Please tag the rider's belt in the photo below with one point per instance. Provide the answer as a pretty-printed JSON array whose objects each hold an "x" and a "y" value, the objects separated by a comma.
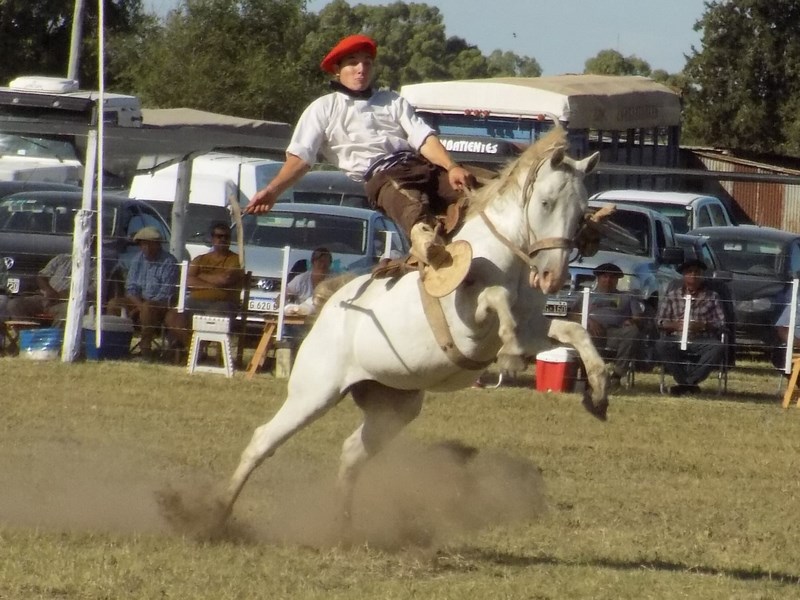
[{"x": 387, "y": 162}]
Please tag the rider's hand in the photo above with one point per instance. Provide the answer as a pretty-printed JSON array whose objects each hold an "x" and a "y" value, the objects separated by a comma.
[
  {"x": 261, "y": 202},
  {"x": 460, "y": 178}
]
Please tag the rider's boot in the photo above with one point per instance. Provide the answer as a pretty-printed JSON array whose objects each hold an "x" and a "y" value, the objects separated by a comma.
[{"x": 428, "y": 246}]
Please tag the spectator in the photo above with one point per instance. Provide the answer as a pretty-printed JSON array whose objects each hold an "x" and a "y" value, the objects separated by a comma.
[
  {"x": 150, "y": 287},
  {"x": 214, "y": 281},
  {"x": 613, "y": 320},
  {"x": 705, "y": 351},
  {"x": 53, "y": 297},
  {"x": 301, "y": 288}
]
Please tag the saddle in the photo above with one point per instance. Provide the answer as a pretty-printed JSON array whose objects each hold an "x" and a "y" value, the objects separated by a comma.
[{"x": 447, "y": 225}]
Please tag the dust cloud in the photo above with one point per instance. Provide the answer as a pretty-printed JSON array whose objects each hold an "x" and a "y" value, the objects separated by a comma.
[{"x": 410, "y": 496}]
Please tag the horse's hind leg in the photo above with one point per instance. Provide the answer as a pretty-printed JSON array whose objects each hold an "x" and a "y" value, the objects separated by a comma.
[
  {"x": 308, "y": 399},
  {"x": 386, "y": 412}
]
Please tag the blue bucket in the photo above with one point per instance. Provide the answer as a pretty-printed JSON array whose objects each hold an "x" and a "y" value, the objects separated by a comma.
[{"x": 41, "y": 344}]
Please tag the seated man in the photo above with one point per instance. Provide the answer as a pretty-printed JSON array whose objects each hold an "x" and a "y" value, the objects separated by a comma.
[
  {"x": 151, "y": 286},
  {"x": 613, "y": 320},
  {"x": 52, "y": 300},
  {"x": 300, "y": 290},
  {"x": 707, "y": 320},
  {"x": 214, "y": 282}
]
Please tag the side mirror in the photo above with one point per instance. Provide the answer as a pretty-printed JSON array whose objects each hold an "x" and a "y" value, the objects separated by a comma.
[{"x": 672, "y": 255}]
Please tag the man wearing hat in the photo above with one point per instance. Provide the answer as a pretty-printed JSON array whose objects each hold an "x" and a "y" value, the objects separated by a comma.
[
  {"x": 151, "y": 286},
  {"x": 613, "y": 320},
  {"x": 705, "y": 351},
  {"x": 376, "y": 137}
]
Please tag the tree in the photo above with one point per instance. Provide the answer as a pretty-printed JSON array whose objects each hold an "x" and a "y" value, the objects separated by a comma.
[
  {"x": 509, "y": 64},
  {"x": 744, "y": 83},
  {"x": 35, "y": 36},
  {"x": 248, "y": 63},
  {"x": 611, "y": 62}
]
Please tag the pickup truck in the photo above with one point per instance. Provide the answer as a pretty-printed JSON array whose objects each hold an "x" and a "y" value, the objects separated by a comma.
[{"x": 647, "y": 256}]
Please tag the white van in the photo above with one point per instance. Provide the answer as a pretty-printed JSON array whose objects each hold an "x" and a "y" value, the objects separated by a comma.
[
  {"x": 210, "y": 197},
  {"x": 217, "y": 180}
]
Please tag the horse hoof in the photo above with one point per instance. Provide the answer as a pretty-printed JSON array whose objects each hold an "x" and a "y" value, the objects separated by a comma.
[
  {"x": 599, "y": 410},
  {"x": 510, "y": 363}
]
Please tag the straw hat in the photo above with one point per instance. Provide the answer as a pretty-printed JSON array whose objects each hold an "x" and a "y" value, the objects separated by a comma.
[
  {"x": 445, "y": 279},
  {"x": 147, "y": 234}
]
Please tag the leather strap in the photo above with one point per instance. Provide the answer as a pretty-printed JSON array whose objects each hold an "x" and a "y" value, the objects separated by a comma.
[
  {"x": 441, "y": 332},
  {"x": 543, "y": 244}
]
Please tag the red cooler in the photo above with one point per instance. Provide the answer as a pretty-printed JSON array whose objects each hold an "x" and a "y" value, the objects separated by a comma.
[{"x": 556, "y": 370}]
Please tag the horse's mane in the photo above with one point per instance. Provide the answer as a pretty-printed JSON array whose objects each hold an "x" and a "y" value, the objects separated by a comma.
[{"x": 533, "y": 155}]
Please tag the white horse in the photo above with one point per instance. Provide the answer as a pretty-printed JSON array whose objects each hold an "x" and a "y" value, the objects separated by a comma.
[{"x": 373, "y": 339}]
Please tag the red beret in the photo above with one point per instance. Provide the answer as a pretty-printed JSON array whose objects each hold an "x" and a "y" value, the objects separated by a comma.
[{"x": 349, "y": 45}]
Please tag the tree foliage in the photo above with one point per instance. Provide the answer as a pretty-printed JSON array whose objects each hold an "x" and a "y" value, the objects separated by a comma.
[
  {"x": 611, "y": 62},
  {"x": 261, "y": 57},
  {"x": 35, "y": 36},
  {"x": 745, "y": 82}
]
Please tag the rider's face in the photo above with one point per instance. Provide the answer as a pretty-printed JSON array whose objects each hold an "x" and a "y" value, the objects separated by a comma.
[{"x": 355, "y": 71}]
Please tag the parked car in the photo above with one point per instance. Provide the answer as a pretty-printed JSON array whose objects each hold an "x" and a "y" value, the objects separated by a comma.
[
  {"x": 645, "y": 250},
  {"x": 685, "y": 210},
  {"x": 356, "y": 238},
  {"x": 327, "y": 187},
  {"x": 36, "y": 226},
  {"x": 13, "y": 187},
  {"x": 763, "y": 261},
  {"x": 697, "y": 246}
]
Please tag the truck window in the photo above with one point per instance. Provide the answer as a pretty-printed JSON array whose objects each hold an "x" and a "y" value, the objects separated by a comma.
[
  {"x": 717, "y": 214},
  {"x": 703, "y": 217},
  {"x": 661, "y": 239}
]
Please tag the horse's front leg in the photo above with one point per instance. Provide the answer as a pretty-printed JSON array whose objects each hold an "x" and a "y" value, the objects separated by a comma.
[
  {"x": 497, "y": 299},
  {"x": 568, "y": 332}
]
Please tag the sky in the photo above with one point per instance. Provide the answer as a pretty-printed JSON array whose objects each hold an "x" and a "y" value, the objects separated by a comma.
[{"x": 562, "y": 34}]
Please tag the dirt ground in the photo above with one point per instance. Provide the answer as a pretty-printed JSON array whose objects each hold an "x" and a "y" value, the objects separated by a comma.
[{"x": 409, "y": 496}]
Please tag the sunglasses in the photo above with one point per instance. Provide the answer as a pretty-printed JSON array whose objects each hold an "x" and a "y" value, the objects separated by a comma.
[{"x": 222, "y": 236}]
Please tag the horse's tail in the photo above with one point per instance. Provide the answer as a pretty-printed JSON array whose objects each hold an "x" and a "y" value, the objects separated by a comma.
[{"x": 327, "y": 287}]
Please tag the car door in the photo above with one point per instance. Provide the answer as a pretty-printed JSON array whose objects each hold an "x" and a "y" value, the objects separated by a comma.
[
  {"x": 398, "y": 244},
  {"x": 665, "y": 238}
]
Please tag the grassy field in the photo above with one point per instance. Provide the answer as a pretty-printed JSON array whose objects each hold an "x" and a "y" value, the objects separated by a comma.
[{"x": 671, "y": 498}]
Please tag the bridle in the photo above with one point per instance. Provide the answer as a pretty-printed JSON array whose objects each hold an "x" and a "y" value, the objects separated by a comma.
[{"x": 534, "y": 245}]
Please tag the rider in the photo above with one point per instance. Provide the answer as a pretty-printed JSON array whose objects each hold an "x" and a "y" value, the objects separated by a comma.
[{"x": 376, "y": 137}]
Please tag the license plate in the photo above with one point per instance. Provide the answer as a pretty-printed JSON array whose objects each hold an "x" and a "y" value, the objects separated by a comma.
[
  {"x": 262, "y": 305},
  {"x": 555, "y": 308},
  {"x": 12, "y": 285}
]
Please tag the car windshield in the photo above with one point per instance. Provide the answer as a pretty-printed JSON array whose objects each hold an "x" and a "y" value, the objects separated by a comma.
[
  {"x": 754, "y": 257},
  {"x": 36, "y": 147},
  {"x": 344, "y": 235},
  {"x": 634, "y": 237},
  {"x": 32, "y": 216},
  {"x": 676, "y": 213}
]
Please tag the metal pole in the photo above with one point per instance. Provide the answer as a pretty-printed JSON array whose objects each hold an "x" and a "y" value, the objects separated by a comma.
[{"x": 75, "y": 41}]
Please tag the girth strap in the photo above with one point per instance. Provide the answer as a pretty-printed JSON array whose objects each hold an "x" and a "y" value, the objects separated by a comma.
[{"x": 441, "y": 332}]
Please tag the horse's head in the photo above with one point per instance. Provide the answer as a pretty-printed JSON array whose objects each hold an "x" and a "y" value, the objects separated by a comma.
[{"x": 555, "y": 202}]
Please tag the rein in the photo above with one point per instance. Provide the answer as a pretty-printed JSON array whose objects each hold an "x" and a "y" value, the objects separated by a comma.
[
  {"x": 538, "y": 245},
  {"x": 533, "y": 249}
]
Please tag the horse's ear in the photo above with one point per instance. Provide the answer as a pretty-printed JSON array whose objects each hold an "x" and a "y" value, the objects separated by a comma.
[
  {"x": 589, "y": 164},
  {"x": 558, "y": 157}
]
